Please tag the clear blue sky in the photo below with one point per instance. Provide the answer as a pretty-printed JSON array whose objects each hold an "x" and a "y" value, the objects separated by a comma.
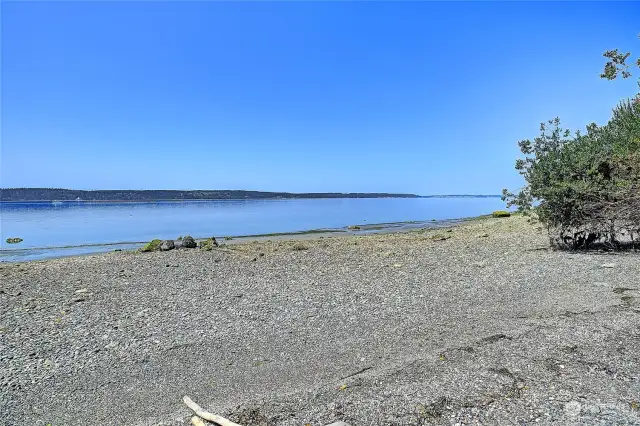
[{"x": 416, "y": 97}]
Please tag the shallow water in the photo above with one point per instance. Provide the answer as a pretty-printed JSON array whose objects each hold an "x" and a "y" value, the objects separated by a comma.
[{"x": 56, "y": 225}]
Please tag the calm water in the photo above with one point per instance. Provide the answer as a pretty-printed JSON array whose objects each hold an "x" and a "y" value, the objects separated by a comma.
[{"x": 78, "y": 223}]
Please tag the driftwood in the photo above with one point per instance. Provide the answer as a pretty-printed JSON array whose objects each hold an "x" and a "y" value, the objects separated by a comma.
[{"x": 206, "y": 415}]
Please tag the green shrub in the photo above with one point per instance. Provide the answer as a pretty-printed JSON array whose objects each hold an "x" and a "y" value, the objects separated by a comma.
[
  {"x": 501, "y": 213},
  {"x": 152, "y": 245},
  {"x": 354, "y": 227},
  {"x": 586, "y": 188}
]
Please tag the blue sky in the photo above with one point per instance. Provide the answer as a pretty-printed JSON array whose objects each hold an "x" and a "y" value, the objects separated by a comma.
[{"x": 418, "y": 97}]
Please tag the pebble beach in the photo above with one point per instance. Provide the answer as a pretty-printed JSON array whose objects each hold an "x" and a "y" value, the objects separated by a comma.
[{"x": 479, "y": 323}]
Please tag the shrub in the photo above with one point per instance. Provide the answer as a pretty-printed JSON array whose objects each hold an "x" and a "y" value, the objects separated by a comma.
[
  {"x": 586, "y": 188},
  {"x": 152, "y": 245},
  {"x": 501, "y": 213}
]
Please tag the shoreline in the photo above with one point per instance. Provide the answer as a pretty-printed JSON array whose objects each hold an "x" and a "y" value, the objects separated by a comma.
[{"x": 364, "y": 229}]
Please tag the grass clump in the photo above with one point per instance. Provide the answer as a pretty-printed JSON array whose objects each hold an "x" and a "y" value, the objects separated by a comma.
[
  {"x": 354, "y": 227},
  {"x": 501, "y": 213},
  {"x": 153, "y": 245}
]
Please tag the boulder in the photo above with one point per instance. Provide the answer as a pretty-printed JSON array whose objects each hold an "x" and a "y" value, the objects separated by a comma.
[
  {"x": 167, "y": 245},
  {"x": 152, "y": 245},
  {"x": 189, "y": 242}
]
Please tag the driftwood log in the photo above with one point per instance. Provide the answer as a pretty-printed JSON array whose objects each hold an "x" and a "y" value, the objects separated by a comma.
[{"x": 206, "y": 415}]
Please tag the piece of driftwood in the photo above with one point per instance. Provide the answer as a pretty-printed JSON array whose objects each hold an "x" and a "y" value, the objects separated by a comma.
[
  {"x": 206, "y": 415},
  {"x": 197, "y": 421}
]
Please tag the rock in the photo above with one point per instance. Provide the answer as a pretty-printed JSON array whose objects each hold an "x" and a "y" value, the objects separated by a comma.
[
  {"x": 189, "y": 242},
  {"x": 572, "y": 409},
  {"x": 152, "y": 245},
  {"x": 208, "y": 244},
  {"x": 608, "y": 265},
  {"x": 82, "y": 290},
  {"x": 167, "y": 245}
]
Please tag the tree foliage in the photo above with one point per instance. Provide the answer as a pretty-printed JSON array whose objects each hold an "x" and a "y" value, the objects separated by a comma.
[{"x": 586, "y": 187}]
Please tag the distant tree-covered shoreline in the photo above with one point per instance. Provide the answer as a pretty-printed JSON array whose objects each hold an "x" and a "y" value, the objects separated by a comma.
[{"x": 56, "y": 194}]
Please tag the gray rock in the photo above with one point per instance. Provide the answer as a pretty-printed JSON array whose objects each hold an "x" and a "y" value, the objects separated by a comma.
[
  {"x": 189, "y": 242},
  {"x": 572, "y": 408},
  {"x": 167, "y": 245}
]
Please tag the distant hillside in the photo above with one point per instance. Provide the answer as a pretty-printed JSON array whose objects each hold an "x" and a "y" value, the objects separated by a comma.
[{"x": 50, "y": 194}]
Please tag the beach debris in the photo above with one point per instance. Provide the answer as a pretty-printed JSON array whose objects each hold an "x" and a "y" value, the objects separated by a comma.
[
  {"x": 189, "y": 242},
  {"x": 82, "y": 290},
  {"x": 15, "y": 240},
  {"x": 483, "y": 236},
  {"x": 167, "y": 245},
  {"x": 608, "y": 265},
  {"x": 206, "y": 415}
]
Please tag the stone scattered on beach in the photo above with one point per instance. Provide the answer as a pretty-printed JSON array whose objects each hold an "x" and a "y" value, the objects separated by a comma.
[
  {"x": 167, "y": 245},
  {"x": 208, "y": 244},
  {"x": 608, "y": 265},
  {"x": 189, "y": 242},
  {"x": 572, "y": 408}
]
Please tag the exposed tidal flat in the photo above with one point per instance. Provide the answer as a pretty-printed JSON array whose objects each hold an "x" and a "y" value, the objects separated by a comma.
[{"x": 478, "y": 323}]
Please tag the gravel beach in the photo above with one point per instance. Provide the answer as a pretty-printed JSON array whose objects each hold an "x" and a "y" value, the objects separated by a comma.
[{"x": 476, "y": 324}]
